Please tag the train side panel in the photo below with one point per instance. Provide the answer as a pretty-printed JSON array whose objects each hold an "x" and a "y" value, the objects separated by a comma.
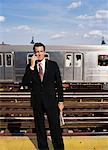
[
  {"x": 77, "y": 63},
  {"x": 95, "y": 68},
  {"x": 20, "y": 65}
]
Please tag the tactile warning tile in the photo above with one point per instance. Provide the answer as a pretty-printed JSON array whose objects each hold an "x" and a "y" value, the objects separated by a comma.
[
  {"x": 71, "y": 143},
  {"x": 16, "y": 143},
  {"x": 86, "y": 143}
]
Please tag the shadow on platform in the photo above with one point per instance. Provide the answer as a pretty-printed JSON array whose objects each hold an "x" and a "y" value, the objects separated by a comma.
[{"x": 33, "y": 139}]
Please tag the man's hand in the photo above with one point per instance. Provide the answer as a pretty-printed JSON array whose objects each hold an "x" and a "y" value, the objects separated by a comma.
[
  {"x": 33, "y": 59},
  {"x": 61, "y": 105}
]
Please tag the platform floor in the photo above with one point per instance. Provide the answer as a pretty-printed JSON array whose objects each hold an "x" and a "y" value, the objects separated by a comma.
[{"x": 71, "y": 143}]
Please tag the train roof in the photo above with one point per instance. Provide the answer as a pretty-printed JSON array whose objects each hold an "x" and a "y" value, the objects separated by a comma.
[{"x": 6, "y": 48}]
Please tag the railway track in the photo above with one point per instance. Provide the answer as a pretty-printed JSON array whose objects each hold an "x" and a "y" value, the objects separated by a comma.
[{"x": 84, "y": 113}]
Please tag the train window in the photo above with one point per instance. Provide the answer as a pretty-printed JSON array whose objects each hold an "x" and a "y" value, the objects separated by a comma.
[
  {"x": 8, "y": 60},
  {"x": 1, "y": 60},
  {"x": 29, "y": 55},
  {"x": 68, "y": 60},
  {"x": 46, "y": 56},
  {"x": 77, "y": 60},
  {"x": 102, "y": 60}
]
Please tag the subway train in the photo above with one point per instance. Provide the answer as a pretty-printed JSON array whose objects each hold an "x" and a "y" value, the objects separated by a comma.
[{"x": 79, "y": 64}]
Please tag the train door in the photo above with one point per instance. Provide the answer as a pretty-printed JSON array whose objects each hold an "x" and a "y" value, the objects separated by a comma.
[
  {"x": 6, "y": 66},
  {"x": 68, "y": 67},
  {"x": 8, "y": 63},
  {"x": 1, "y": 67},
  {"x": 73, "y": 67},
  {"x": 78, "y": 67}
]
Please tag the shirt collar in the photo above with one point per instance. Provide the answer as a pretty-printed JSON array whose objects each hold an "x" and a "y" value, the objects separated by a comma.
[{"x": 42, "y": 62}]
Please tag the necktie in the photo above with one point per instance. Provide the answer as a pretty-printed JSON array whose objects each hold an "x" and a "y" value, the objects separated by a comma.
[{"x": 40, "y": 71}]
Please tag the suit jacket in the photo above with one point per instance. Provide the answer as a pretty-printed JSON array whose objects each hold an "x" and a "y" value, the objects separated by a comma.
[{"x": 48, "y": 88}]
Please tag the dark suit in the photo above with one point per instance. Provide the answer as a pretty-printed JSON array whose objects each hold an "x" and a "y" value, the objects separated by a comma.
[{"x": 43, "y": 99}]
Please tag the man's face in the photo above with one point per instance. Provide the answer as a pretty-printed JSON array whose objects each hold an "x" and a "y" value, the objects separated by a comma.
[{"x": 40, "y": 53}]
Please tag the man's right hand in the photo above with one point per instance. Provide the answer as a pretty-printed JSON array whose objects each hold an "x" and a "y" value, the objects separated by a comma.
[{"x": 33, "y": 59}]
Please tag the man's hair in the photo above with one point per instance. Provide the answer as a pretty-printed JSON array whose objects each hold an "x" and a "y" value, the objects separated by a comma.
[{"x": 38, "y": 45}]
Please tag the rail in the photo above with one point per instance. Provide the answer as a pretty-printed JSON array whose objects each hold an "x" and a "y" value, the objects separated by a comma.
[{"x": 66, "y": 94}]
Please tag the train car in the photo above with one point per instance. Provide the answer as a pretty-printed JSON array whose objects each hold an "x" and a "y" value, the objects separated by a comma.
[{"x": 79, "y": 64}]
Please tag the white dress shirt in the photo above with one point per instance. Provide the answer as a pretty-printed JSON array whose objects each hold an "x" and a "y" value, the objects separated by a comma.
[{"x": 42, "y": 65}]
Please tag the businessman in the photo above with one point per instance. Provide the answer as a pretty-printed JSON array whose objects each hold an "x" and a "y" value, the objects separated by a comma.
[{"x": 45, "y": 79}]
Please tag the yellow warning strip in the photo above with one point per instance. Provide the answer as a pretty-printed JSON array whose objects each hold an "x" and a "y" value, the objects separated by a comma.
[{"x": 71, "y": 143}]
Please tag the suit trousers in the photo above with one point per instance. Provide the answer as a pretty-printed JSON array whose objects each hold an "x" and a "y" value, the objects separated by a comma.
[{"x": 54, "y": 126}]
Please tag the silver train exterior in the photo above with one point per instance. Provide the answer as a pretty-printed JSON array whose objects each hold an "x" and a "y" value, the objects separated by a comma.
[{"x": 78, "y": 63}]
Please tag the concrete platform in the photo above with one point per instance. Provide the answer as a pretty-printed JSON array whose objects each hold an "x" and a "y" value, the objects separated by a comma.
[{"x": 71, "y": 143}]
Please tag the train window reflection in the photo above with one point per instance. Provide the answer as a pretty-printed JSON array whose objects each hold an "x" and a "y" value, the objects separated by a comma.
[
  {"x": 103, "y": 60},
  {"x": 1, "y": 60},
  {"x": 8, "y": 60},
  {"x": 68, "y": 60}
]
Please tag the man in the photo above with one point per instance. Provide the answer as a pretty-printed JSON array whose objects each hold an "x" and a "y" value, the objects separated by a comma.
[{"x": 44, "y": 76}]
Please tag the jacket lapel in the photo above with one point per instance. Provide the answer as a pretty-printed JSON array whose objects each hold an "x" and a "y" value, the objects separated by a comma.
[
  {"x": 46, "y": 70},
  {"x": 36, "y": 73}
]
